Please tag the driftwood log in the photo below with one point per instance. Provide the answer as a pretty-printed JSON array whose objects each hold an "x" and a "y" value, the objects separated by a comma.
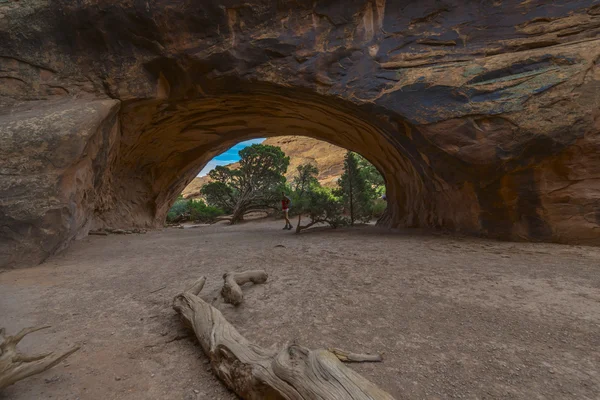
[
  {"x": 232, "y": 292},
  {"x": 256, "y": 373},
  {"x": 15, "y": 366},
  {"x": 346, "y": 356}
]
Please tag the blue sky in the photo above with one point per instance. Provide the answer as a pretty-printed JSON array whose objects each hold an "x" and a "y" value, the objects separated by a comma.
[{"x": 228, "y": 156}]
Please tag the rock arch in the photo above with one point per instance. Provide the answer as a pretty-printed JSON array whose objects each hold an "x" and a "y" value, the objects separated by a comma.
[
  {"x": 180, "y": 138},
  {"x": 484, "y": 118}
]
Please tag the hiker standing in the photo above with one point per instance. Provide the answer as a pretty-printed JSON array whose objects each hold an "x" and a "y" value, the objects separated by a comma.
[{"x": 286, "y": 202}]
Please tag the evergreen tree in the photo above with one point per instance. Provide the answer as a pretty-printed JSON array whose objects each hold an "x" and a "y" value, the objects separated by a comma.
[
  {"x": 372, "y": 176},
  {"x": 355, "y": 190},
  {"x": 256, "y": 184},
  {"x": 306, "y": 178},
  {"x": 317, "y": 203}
]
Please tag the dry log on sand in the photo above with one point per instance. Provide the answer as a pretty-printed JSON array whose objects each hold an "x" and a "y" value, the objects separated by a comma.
[
  {"x": 256, "y": 373},
  {"x": 346, "y": 356},
  {"x": 232, "y": 292},
  {"x": 15, "y": 366}
]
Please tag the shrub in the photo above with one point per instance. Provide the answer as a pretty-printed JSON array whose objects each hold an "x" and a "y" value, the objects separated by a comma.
[
  {"x": 312, "y": 200},
  {"x": 178, "y": 209},
  {"x": 192, "y": 210},
  {"x": 323, "y": 206},
  {"x": 201, "y": 212},
  {"x": 379, "y": 207}
]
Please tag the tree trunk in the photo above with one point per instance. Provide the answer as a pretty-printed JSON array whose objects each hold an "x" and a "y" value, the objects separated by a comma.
[
  {"x": 298, "y": 226},
  {"x": 232, "y": 292},
  {"x": 351, "y": 196},
  {"x": 15, "y": 366},
  {"x": 255, "y": 373},
  {"x": 238, "y": 215}
]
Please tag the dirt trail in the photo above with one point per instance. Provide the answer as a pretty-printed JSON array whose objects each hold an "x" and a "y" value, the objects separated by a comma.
[{"x": 456, "y": 317}]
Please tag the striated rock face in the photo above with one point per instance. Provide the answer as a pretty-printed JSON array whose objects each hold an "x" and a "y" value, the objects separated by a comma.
[
  {"x": 54, "y": 156},
  {"x": 484, "y": 117},
  {"x": 328, "y": 158}
]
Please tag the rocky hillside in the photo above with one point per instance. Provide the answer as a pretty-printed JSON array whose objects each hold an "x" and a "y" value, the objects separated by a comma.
[{"x": 301, "y": 150}]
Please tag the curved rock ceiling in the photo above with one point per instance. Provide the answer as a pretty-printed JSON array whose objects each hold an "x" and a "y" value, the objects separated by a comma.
[{"x": 484, "y": 117}]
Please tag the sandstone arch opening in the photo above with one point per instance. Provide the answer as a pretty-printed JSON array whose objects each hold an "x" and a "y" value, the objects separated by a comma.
[
  {"x": 301, "y": 150},
  {"x": 164, "y": 145}
]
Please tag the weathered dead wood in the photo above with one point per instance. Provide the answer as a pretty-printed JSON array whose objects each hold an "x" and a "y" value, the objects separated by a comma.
[
  {"x": 347, "y": 356},
  {"x": 256, "y": 373},
  {"x": 15, "y": 365},
  {"x": 232, "y": 292}
]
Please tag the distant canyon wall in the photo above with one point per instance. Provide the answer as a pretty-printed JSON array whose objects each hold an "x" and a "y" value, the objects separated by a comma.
[{"x": 329, "y": 159}]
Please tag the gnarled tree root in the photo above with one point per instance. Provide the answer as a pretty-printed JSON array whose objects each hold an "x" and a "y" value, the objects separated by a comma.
[
  {"x": 15, "y": 366},
  {"x": 232, "y": 292},
  {"x": 253, "y": 372}
]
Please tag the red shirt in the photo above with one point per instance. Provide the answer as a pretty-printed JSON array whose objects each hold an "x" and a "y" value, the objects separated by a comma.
[{"x": 284, "y": 203}]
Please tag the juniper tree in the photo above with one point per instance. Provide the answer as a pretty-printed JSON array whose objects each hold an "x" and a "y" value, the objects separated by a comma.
[
  {"x": 317, "y": 203},
  {"x": 256, "y": 184}
]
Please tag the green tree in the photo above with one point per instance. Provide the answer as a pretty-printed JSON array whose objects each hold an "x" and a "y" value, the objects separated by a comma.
[
  {"x": 356, "y": 193},
  {"x": 317, "y": 203},
  {"x": 256, "y": 184},
  {"x": 372, "y": 176},
  {"x": 192, "y": 210},
  {"x": 321, "y": 205},
  {"x": 306, "y": 178}
]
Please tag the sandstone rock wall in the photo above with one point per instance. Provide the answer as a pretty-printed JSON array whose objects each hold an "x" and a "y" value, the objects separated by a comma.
[
  {"x": 328, "y": 158},
  {"x": 483, "y": 116},
  {"x": 54, "y": 156}
]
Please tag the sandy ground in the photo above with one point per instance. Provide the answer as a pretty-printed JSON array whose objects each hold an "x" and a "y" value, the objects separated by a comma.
[{"x": 455, "y": 317}]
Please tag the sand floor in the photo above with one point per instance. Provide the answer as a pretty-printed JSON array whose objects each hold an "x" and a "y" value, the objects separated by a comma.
[{"x": 455, "y": 317}]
